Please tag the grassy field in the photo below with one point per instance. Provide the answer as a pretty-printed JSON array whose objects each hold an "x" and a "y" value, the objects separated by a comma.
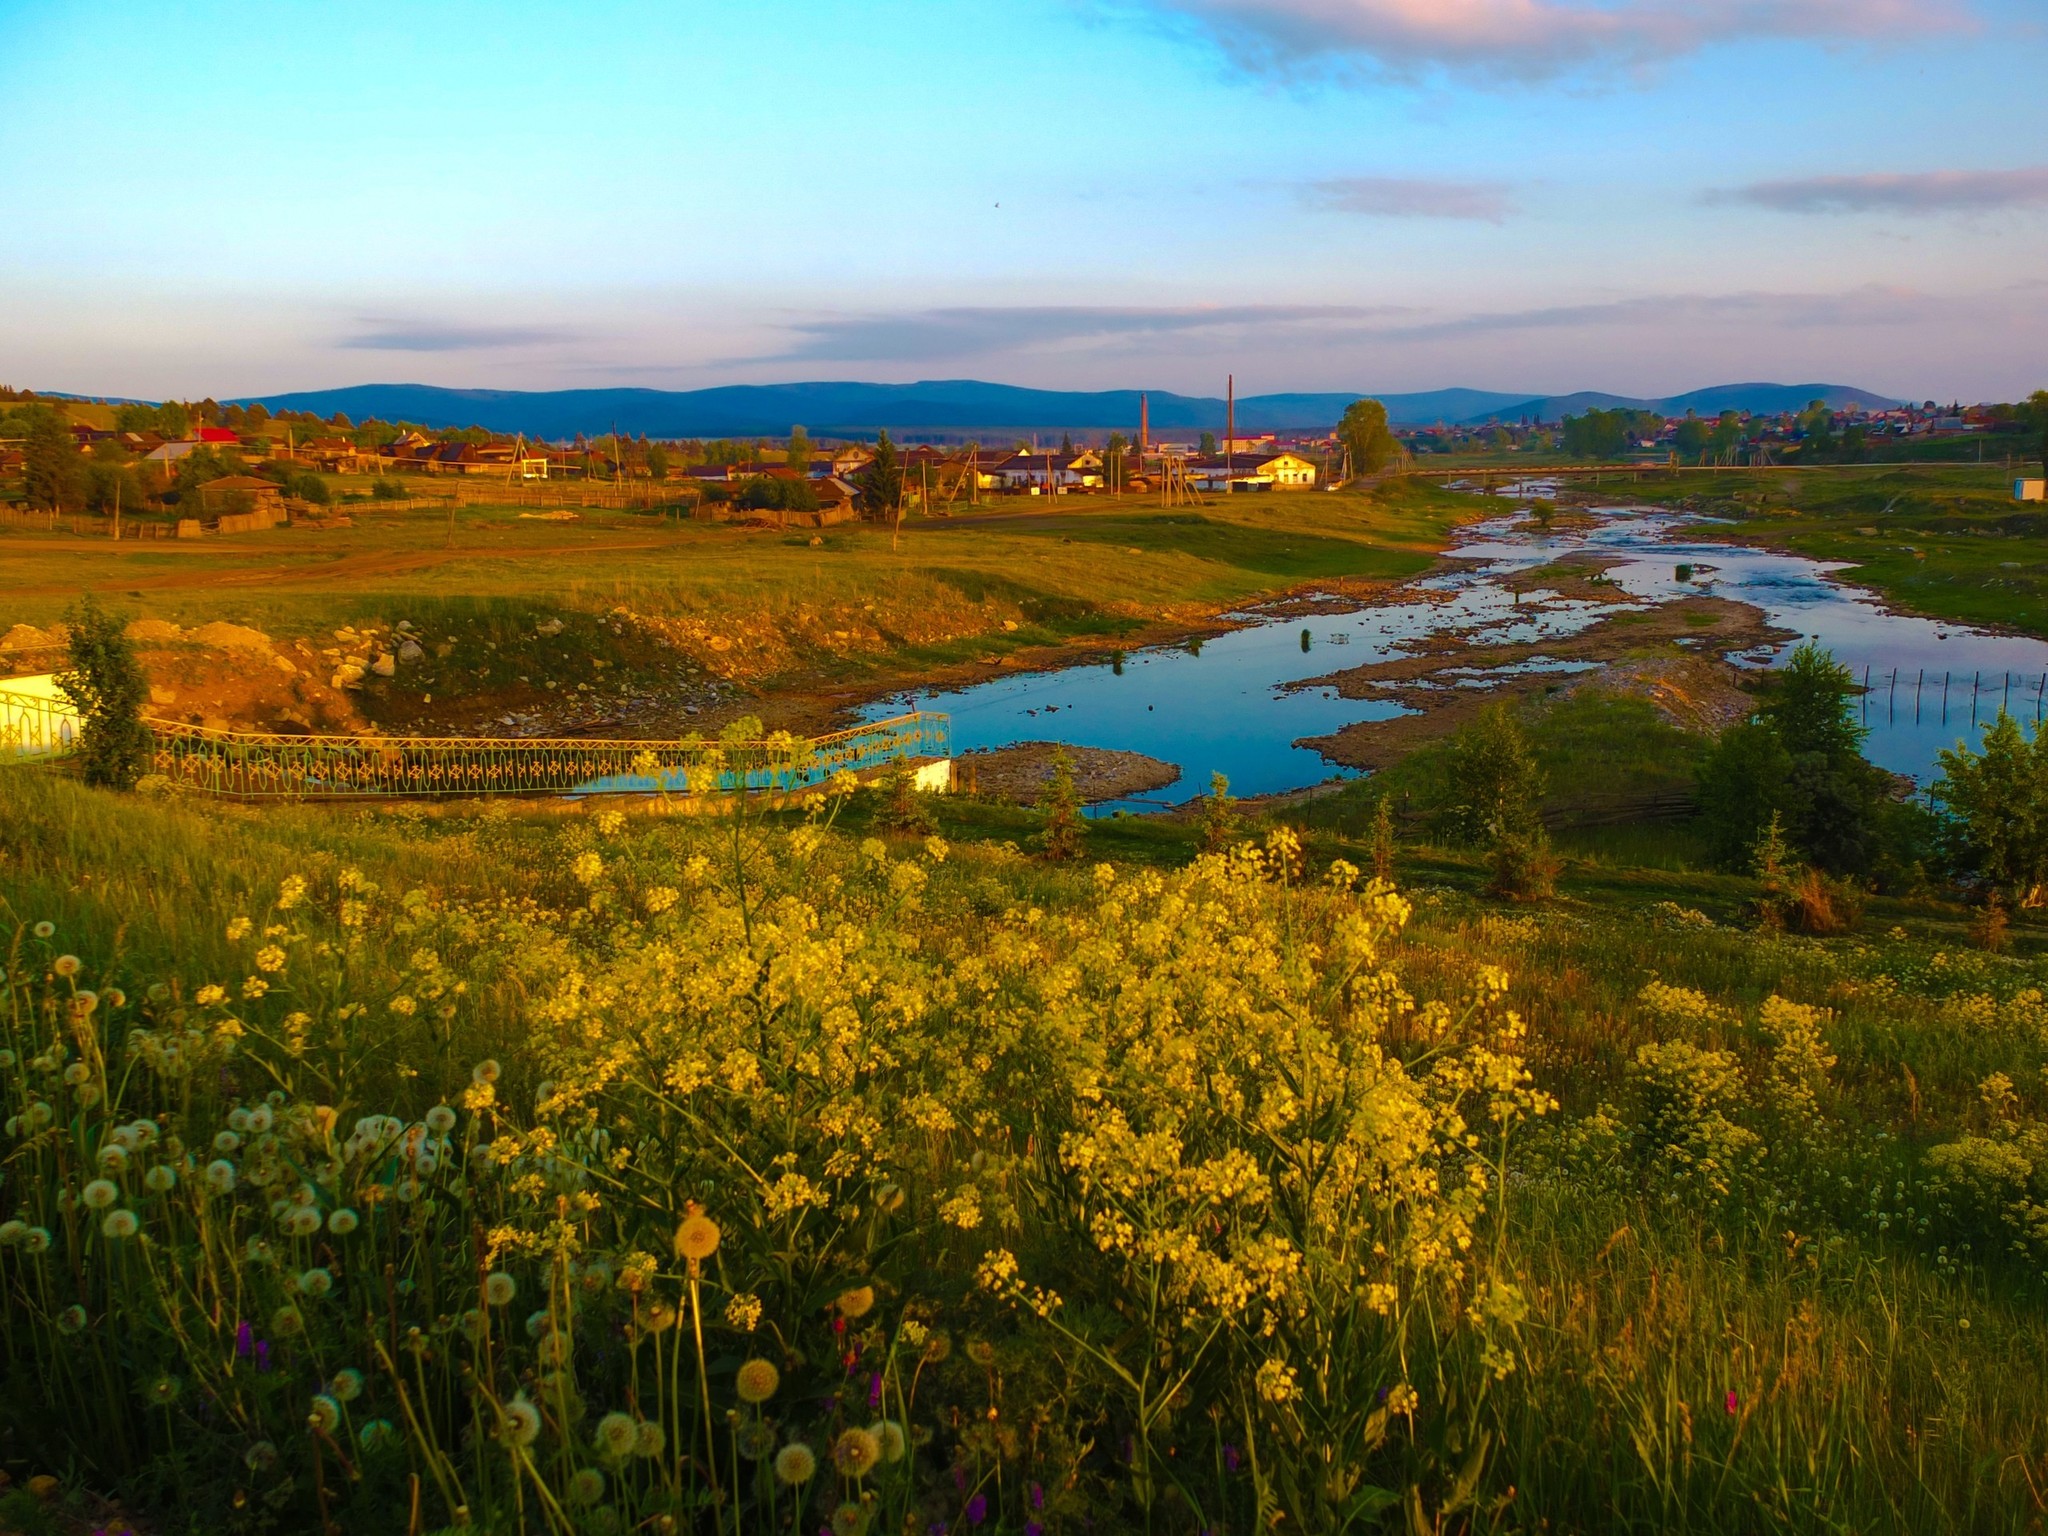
[
  {"x": 853, "y": 605},
  {"x": 1764, "y": 1266}
]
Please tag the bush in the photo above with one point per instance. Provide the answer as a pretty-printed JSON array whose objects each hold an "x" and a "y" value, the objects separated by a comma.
[
  {"x": 1065, "y": 828},
  {"x": 106, "y": 685},
  {"x": 387, "y": 489},
  {"x": 1492, "y": 783}
]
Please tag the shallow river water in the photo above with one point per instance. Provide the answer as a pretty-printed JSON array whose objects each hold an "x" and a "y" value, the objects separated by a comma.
[{"x": 1224, "y": 705}]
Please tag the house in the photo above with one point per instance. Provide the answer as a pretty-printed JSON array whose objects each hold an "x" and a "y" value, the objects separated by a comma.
[
  {"x": 218, "y": 438},
  {"x": 1257, "y": 472},
  {"x": 851, "y": 460},
  {"x": 2030, "y": 490},
  {"x": 338, "y": 455},
  {"x": 837, "y": 499},
  {"x": 85, "y": 436},
  {"x": 171, "y": 453},
  {"x": 1031, "y": 474}
]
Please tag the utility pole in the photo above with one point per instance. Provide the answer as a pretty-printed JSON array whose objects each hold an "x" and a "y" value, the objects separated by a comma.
[{"x": 1229, "y": 430}]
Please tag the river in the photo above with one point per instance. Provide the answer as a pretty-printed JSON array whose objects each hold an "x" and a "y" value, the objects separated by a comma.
[{"x": 1225, "y": 704}]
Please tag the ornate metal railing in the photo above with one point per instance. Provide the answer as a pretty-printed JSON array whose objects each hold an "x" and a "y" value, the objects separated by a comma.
[
  {"x": 33, "y": 726},
  {"x": 261, "y": 765}
]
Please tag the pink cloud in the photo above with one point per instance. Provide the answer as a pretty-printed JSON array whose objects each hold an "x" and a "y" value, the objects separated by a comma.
[{"x": 1540, "y": 38}]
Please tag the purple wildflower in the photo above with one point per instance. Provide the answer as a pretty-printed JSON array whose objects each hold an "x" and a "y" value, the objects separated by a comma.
[
  {"x": 1037, "y": 1496},
  {"x": 875, "y": 1390},
  {"x": 263, "y": 1354},
  {"x": 245, "y": 1340},
  {"x": 977, "y": 1510},
  {"x": 1731, "y": 1399},
  {"x": 1033, "y": 1528},
  {"x": 1233, "y": 1458}
]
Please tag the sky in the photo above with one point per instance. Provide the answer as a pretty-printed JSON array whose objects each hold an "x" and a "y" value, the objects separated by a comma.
[{"x": 1639, "y": 196}]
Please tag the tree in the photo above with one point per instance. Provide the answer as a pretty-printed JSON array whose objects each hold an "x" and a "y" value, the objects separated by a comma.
[
  {"x": 1812, "y": 703},
  {"x": 54, "y": 474},
  {"x": 1367, "y": 438},
  {"x": 1800, "y": 758},
  {"x": 1066, "y": 445},
  {"x": 1493, "y": 786},
  {"x": 881, "y": 483},
  {"x": 657, "y": 461},
  {"x": 1995, "y": 810},
  {"x": 798, "y": 454},
  {"x": 2037, "y": 415},
  {"x": 1691, "y": 438},
  {"x": 1745, "y": 785},
  {"x": 1208, "y": 445},
  {"x": 106, "y": 685}
]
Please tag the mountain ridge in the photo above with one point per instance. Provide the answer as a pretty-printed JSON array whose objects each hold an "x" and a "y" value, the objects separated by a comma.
[{"x": 960, "y": 406}]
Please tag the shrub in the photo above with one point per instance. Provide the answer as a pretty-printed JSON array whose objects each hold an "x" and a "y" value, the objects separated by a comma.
[
  {"x": 1065, "y": 828},
  {"x": 106, "y": 685},
  {"x": 387, "y": 489},
  {"x": 1221, "y": 824}
]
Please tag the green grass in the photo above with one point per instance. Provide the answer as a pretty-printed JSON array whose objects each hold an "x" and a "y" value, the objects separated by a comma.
[{"x": 1949, "y": 542}]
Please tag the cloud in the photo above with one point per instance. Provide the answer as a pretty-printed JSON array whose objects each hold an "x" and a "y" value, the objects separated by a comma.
[
  {"x": 929, "y": 334},
  {"x": 1402, "y": 197},
  {"x": 1857, "y": 308},
  {"x": 411, "y": 336},
  {"x": 1919, "y": 192},
  {"x": 1532, "y": 39}
]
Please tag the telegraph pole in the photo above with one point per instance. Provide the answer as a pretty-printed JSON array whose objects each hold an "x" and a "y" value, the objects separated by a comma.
[{"x": 1229, "y": 430}]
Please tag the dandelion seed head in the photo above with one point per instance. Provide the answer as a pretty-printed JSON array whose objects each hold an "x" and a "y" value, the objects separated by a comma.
[
  {"x": 121, "y": 1224},
  {"x": 500, "y": 1288},
  {"x": 615, "y": 1435},
  {"x": 795, "y": 1464},
  {"x": 855, "y": 1453},
  {"x": 757, "y": 1381},
  {"x": 100, "y": 1194}
]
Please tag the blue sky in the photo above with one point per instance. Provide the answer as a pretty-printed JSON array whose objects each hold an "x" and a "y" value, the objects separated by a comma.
[{"x": 1635, "y": 195}]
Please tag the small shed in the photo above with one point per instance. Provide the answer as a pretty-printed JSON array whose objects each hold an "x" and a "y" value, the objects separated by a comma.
[
  {"x": 2030, "y": 490},
  {"x": 241, "y": 493}
]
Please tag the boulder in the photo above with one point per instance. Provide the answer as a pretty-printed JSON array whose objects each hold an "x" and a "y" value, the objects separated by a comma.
[
  {"x": 410, "y": 651},
  {"x": 386, "y": 665},
  {"x": 153, "y": 631},
  {"x": 550, "y": 628}
]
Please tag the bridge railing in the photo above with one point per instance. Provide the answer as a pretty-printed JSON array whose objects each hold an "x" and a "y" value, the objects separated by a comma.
[{"x": 260, "y": 765}]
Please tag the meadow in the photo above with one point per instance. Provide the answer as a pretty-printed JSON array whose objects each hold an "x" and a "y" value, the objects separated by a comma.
[
  {"x": 852, "y": 606},
  {"x": 511, "y": 1171}
]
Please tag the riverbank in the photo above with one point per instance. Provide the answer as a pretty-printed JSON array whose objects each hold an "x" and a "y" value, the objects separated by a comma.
[{"x": 1947, "y": 543}]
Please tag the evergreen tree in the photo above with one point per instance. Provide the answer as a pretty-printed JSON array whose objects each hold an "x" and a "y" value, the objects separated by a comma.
[{"x": 881, "y": 483}]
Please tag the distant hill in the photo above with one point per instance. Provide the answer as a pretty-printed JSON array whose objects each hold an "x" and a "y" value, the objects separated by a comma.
[
  {"x": 1756, "y": 399},
  {"x": 964, "y": 406}
]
